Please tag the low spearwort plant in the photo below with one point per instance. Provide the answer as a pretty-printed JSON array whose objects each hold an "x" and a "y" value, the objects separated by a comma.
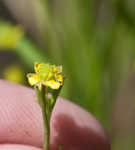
[{"x": 46, "y": 79}]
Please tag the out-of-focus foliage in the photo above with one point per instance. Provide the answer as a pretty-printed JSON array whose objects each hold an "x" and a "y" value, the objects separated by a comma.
[
  {"x": 14, "y": 73},
  {"x": 9, "y": 35},
  {"x": 12, "y": 37},
  {"x": 95, "y": 43}
]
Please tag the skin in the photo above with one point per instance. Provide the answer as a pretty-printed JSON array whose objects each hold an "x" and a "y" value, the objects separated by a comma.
[{"x": 21, "y": 123}]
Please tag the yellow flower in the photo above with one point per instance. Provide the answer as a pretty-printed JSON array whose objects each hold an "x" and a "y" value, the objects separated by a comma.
[{"x": 47, "y": 75}]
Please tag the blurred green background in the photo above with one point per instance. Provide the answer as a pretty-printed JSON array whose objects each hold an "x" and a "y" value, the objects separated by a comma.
[{"x": 94, "y": 40}]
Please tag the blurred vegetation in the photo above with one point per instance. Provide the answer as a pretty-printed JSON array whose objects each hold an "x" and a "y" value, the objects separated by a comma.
[{"x": 95, "y": 43}]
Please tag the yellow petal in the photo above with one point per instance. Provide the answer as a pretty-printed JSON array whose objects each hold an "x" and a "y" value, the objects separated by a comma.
[
  {"x": 50, "y": 75},
  {"x": 52, "y": 84},
  {"x": 37, "y": 66},
  {"x": 33, "y": 79},
  {"x": 59, "y": 78},
  {"x": 57, "y": 69}
]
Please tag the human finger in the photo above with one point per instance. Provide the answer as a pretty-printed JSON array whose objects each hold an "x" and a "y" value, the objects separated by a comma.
[
  {"x": 71, "y": 126},
  {"x": 17, "y": 147}
]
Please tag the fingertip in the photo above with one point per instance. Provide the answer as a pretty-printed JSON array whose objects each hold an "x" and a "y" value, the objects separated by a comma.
[
  {"x": 17, "y": 147},
  {"x": 77, "y": 129},
  {"x": 20, "y": 115}
]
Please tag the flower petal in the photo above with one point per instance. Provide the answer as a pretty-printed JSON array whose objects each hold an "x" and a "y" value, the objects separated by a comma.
[
  {"x": 33, "y": 79},
  {"x": 57, "y": 69},
  {"x": 37, "y": 66},
  {"x": 59, "y": 78},
  {"x": 52, "y": 84}
]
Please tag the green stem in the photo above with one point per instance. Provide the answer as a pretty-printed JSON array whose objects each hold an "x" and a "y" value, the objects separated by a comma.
[
  {"x": 43, "y": 102},
  {"x": 53, "y": 98},
  {"x": 46, "y": 105},
  {"x": 46, "y": 130}
]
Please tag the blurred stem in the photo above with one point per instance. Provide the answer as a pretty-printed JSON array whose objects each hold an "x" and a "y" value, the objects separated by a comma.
[
  {"x": 29, "y": 53},
  {"x": 48, "y": 25}
]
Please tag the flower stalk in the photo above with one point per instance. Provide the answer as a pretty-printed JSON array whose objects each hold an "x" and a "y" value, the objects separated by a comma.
[{"x": 42, "y": 100}]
